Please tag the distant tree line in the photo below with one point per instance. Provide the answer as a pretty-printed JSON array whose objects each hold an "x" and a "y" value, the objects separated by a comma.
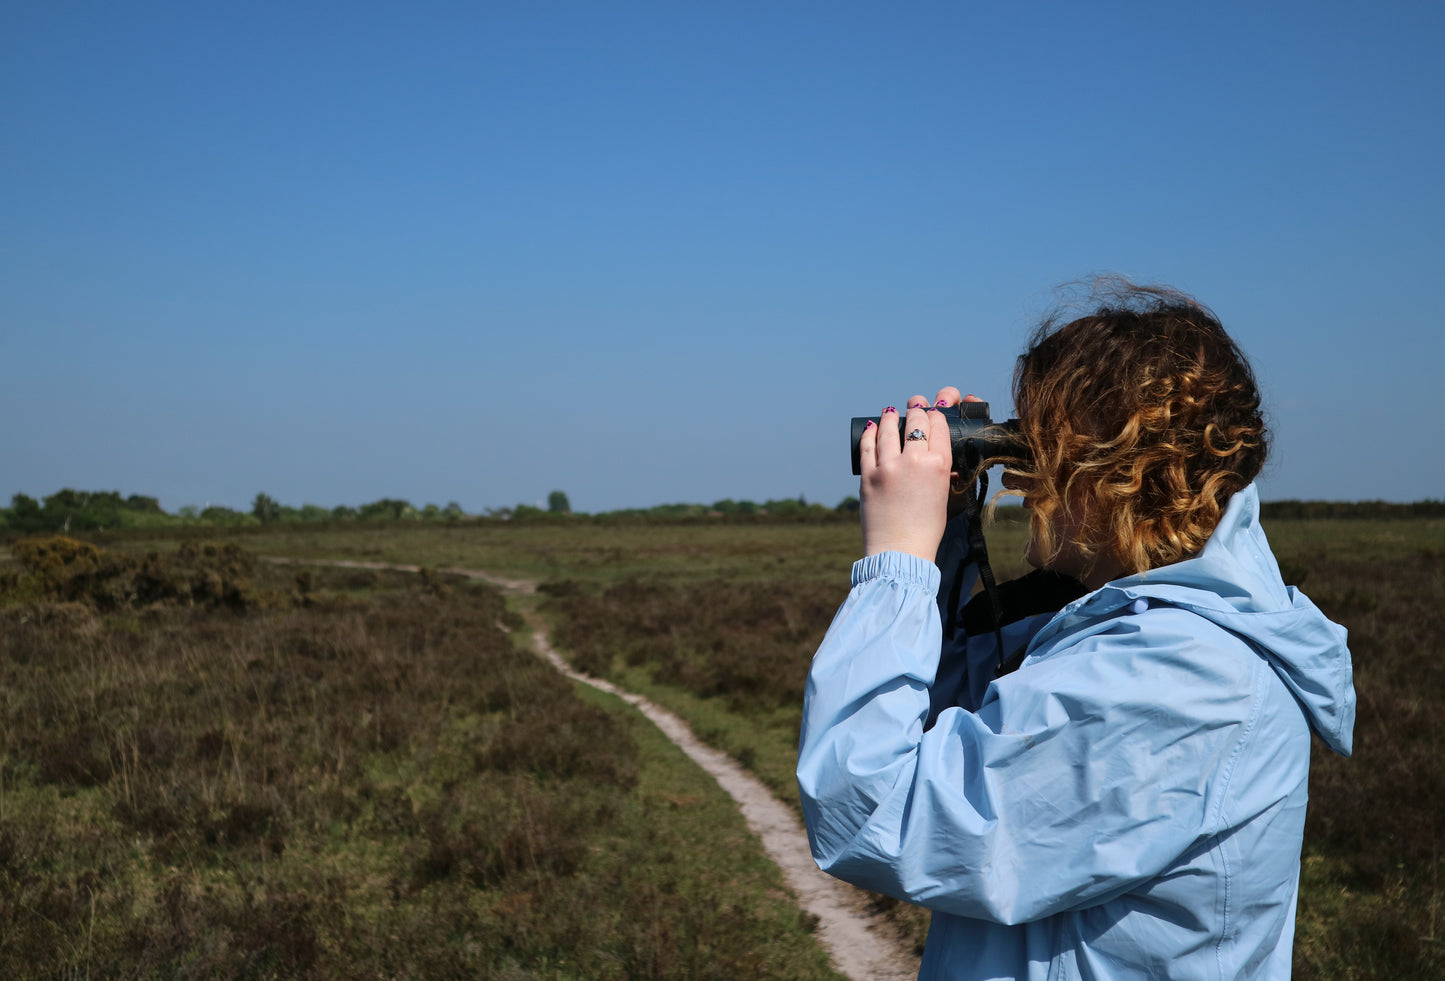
[
  {"x": 1350, "y": 509},
  {"x": 75, "y": 511},
  {"x": 70, "y": 510}
]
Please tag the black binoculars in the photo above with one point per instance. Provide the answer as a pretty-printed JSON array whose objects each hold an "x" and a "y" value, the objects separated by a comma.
[{"x": 978, "y": 441}]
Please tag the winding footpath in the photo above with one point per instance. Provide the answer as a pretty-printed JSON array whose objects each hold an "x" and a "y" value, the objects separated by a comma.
[{"x": 861, "y": 945}]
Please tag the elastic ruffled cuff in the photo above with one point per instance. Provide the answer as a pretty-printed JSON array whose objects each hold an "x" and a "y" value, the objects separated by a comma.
[{"x": 909, "y": 570}]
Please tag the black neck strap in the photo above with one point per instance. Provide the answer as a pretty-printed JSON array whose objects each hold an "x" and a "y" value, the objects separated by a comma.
[{"x": 973, "y": 497}]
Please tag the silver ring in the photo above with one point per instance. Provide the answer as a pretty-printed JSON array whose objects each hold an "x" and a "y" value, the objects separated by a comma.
[{"x": 915, "y": 435}]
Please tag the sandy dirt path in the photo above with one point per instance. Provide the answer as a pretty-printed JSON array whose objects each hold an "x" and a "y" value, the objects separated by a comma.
[{"x": 863, "y": 946}]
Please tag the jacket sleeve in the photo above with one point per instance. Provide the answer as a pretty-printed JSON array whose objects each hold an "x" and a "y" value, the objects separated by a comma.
[{"x": 1079, "y": 776}]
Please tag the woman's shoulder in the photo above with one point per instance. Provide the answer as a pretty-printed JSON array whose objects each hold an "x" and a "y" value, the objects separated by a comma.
[{"x": 1141, "y": 653}]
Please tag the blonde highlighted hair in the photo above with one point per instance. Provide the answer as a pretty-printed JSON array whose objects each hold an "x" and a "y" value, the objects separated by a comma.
[{"x": 1143, "y": 418}]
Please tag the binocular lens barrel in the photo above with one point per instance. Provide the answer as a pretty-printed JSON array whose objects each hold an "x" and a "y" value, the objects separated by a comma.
[{"x": 978, "y": 441}]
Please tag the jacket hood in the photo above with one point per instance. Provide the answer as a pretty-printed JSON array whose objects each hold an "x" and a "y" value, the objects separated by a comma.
[{"x": 1235, "y": 583}]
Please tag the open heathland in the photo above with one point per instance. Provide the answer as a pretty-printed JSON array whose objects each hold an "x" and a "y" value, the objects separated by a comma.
[
  {"x": 730, "y": 653},
  {"x": 716, "y": 619},
  {"x": 211, "y": 767}
]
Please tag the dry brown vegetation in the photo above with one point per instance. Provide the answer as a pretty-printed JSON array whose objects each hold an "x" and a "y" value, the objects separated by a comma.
[
  {"x": 1370, "y": 902},
  {"x": 210, "y": 768},
  {"x": 1371, "y": 899},
  {"x": 335, "y": 763},
  {"x": 744, "y": 647},
  {"x": 747, "y": 643}
]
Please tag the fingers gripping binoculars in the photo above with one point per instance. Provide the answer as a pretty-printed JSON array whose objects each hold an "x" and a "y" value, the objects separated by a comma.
[{"x": 978, "y": 441}]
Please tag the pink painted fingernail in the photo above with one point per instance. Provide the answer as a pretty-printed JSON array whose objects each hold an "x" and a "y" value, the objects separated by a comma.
[
  {"x": 889, "y": 409},
  {"x": 869, "y": 425},
  {"x": 942, "y": 402}
]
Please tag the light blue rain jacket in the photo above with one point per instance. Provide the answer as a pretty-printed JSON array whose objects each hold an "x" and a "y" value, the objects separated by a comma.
[{"x": 1129, "y": 803}]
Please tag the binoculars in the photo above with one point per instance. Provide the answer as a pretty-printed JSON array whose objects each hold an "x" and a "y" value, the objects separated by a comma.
[{"x": 978, "y": 441}]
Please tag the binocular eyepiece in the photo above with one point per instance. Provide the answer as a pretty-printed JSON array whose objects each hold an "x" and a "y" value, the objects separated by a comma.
[{"x": 978, "y": 441}]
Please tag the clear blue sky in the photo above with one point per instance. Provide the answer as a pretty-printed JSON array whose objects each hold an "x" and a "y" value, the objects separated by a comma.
[{"x": 658, "y": 252}]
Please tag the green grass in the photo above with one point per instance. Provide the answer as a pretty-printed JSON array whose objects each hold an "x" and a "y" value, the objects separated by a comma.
[
  {"x": 686, "y": 835},
  {"x": 364, "y": 777},
  {"x": 1353, "y": 932},
  {"x": 570, "y": 549},
  {"x": 1370, "y": 901},
  {"x": 717, "y": 621}
]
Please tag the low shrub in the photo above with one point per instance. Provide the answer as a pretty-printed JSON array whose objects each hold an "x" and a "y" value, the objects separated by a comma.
[
  {"x": 69, "y": 571},
  {"x": 747, "y": 643}
]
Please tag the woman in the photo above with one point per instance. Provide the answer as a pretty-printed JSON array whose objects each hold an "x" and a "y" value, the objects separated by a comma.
[{"x": 1119, "y": 792}]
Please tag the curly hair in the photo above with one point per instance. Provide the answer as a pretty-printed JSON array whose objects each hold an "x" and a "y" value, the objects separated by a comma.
[{"x": 1142, "y": 418}]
